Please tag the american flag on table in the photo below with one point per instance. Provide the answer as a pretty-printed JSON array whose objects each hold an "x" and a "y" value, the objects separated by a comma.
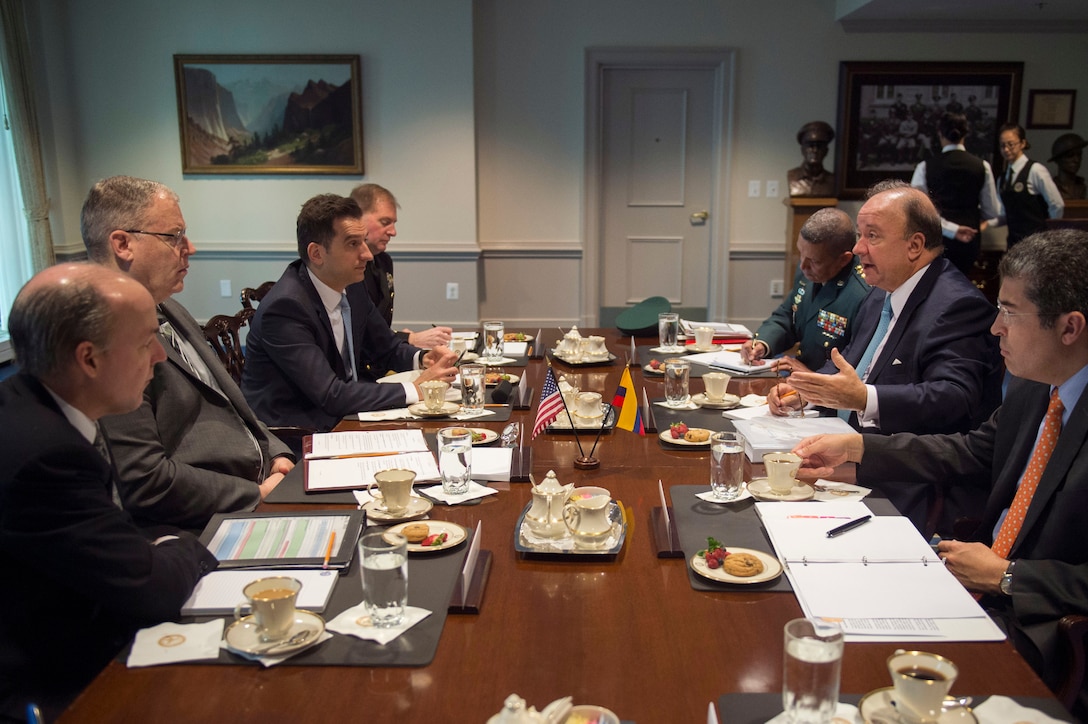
[{"x": 551, "y": 403}]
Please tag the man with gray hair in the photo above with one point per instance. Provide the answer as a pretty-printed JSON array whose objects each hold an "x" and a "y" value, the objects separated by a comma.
[
  {"x": 82, "y": 577},
  {"x": 818, "y": 313},
  {"x": 1029, "y": 555},
  {"x": 194, "y": 447}
]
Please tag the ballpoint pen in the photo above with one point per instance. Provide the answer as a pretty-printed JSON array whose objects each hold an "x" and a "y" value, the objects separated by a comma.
[{"x": 848, "y": 526}]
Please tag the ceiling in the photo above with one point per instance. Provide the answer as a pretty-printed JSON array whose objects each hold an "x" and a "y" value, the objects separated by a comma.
[{"x": 960, "y": 16}]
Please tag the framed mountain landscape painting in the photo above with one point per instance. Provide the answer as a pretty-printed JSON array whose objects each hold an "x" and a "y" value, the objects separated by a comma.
[{"x": 270, "y": 114}]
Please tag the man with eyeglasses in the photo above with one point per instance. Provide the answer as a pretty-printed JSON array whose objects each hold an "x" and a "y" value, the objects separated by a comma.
[
  {"x": 1029, "y": 555},
  {"x": 921, "y": 358},
  {"x": 194, "y": 447}
]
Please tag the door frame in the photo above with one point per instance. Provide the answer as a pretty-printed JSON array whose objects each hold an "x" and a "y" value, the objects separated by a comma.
[{"x": 600, "y": 60}]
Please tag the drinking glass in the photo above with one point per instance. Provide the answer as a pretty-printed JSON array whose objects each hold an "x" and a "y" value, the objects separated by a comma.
[
  {"x": 668, "y": 329},
  {"x": 472, "y": 387},
  {"x": 455, "y": 459},
  {"x": 384, "y": 561},
  {"x": 677, "y": 372},
  {"x": 813, "y": 661},
  {"x": 493, "y": 340},
  {"x": 726, "y": 465}
]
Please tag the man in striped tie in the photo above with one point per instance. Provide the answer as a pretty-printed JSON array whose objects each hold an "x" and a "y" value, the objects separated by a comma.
[{"x": 1029, "y": 558}]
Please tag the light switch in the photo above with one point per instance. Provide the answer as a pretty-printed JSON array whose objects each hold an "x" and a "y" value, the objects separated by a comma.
[{"x": 753, "y": 189}]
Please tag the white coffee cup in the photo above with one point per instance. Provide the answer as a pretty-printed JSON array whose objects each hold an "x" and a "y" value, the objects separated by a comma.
[
  {"x": 394, "y": 489},
  {"x": 272, "y": 601},
  {"x": 596, "y": 346},
  {"x": 458, "y": 345},
  {"x": 588, "y": 404},
  {"x": 921, "y": 681},
  {"x": 704, "y": 337},
  {"x": 782, "y": 470},
  {"x": 434, "y": 394},
  {"x": 716, "y": 383}
]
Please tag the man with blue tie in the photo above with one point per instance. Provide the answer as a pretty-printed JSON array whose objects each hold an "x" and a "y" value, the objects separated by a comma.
[
  {"x": 1029, "y": 556},
  {"x": 317, "y": 344},
  {"x": 922, "y": 358}
]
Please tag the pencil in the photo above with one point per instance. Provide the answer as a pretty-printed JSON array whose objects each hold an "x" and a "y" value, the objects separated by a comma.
[
  {"x": 791, "y": 392},
  {"x": 328, "y": 551}
]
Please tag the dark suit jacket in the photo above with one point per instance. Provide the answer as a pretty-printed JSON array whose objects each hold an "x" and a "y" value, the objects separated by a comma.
[
  {"x": 820, "y": 321},
  {"x": 379, "y": 285},
  {"x": 80, "y": 576},
  {"x": 939, "y": 372},
  {"x": 294, "y": 374},
  {"x": 185, "y": 454},
  {"x": 1051, "y": 575}
]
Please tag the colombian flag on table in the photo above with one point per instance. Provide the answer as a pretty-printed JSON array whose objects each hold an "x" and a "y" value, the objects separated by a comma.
[{"x": 626, "y": 401}]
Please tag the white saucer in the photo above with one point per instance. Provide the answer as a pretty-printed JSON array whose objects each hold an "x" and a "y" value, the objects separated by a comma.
[
  {"x": 448, "y": 408},
  {"x": 417, "y": 508},
  {"x": 877, "y": 707},
  {"x": 242, "y": 635},
  {"x": 697, "y": 348},
  {"x": 760, "y": 488},
  {"x": 725, "y": 403}
]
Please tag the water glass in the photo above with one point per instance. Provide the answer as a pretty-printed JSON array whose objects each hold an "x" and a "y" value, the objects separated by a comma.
[
  {"x": 493, "y": 340},
  {"x": 813, "y": 662},
  {"x": 455, "y": 459},
  {"x": 472, "y": 387},
  {"x": 726, "y": 465},
  {"x": 668, "y": 329},
  {"x": 677, "y": 372},
  {"x": 383, "y": 559}
]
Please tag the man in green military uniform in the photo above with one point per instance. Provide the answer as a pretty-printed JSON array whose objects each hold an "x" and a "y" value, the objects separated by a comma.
[{"x": 827, "y": 290}]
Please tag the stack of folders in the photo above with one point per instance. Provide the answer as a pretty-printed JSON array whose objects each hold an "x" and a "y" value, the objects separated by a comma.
[
  {"x": 881, "y": 581},
  {"x": 346, "y": 460},
  {"x": 768, "y": 434}
]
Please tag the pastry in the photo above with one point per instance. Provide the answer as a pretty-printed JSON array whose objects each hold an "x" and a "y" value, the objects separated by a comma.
[
  {"x": 697, "y": 435},
  {"x": 415, "y": 532},
  {"x": 742, "y": 565}
]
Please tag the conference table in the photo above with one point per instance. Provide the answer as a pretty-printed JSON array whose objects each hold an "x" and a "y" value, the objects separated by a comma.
[{"x": 629, "y": 633}]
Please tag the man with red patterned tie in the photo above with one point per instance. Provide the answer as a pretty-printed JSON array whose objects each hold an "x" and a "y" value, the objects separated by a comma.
[{"x": 1029, "y": 559}]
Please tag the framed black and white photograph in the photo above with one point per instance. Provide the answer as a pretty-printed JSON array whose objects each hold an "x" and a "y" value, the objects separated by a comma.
[
  {"x": 270, "y": 114},
  {"x": 888, "y": 113}
]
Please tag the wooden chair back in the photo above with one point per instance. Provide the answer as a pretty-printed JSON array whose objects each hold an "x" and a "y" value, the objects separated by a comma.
[
  {"x": 249, "y": 295},
  {"x": 223, "y": 332}
]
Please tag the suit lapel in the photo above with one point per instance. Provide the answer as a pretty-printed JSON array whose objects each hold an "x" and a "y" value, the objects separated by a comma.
[
  {"x": 332, "y": 354},
  {"x": 902, "y": 322}
]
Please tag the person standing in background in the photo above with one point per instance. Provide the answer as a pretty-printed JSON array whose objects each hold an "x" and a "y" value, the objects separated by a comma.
[{"x": 1028, "y": 193}]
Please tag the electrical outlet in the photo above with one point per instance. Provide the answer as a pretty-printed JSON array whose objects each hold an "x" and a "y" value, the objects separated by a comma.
[
  {"x": 777, "y": 289},
  {"x": 753, "y": 189},
  {"x": 224, "y": 288},
  {"x": 772, "y": 189},
  {"x": 453, "y": 291}
]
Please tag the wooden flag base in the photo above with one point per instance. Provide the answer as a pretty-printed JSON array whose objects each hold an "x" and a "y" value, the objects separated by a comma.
[{"x": 586, "y": 463}]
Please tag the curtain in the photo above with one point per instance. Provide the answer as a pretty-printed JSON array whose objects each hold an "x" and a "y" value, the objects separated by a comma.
[{"x": 23, "y": 116}]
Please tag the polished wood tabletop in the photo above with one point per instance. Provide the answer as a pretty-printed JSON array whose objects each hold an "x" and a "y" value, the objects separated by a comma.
[{"x": 630, "y": 634}]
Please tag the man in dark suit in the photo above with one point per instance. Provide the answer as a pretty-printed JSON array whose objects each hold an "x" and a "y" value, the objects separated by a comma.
[
  {"x": 317, "y": 345},
  {"x": 380, "y": 221},
  {"x": 194, "y": 447},
  {"x": 818, "y": 314},
  {"x": 922, "y": 359},
  {"x": 81, "y": 578},
  {"x": 1030, "y": 560}
]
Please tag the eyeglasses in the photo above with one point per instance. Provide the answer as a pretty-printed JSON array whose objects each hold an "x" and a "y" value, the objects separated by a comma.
[
  {"x": 171, "y": 240},
  {"x": 1011, "y": 144},
  {"x": 1006, "y": 314}
]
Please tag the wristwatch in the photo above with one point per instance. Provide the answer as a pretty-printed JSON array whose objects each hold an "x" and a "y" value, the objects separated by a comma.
[{"x": 1006, "y": 579}]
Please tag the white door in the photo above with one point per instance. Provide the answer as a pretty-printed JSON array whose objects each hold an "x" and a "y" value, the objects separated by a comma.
[{"x": 658, "y": 166}]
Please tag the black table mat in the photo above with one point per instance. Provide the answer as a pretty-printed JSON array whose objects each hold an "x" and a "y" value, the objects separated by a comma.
[
  {"x": 431, "y": 580},
  {"x": 759, "y": 708},
  {"x": 736, "y": 524}
]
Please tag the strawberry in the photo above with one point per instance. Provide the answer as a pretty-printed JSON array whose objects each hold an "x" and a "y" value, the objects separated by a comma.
[
  {"x": 712, "y": 562},
  {"x": 655, "y": 364},
  {"x": 678, "y": 429},
  {"x": 435, "y": 539}
]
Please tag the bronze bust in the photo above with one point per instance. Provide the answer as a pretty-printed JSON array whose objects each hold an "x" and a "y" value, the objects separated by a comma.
[
  {"x": 1066, "y": 152},
  {"x": 810, "y": 178}
]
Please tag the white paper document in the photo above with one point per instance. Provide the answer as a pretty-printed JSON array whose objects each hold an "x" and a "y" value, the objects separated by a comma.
[
  {"x": 727, "y": 361},
  {"x": 358, "y": 472},
  {"x": 491, "y": 463},
  {"x": 217, "y": 593},
  {"x": 376, "y": 442},
  {"x": 881, "y": 581},
  {"x": 774, "y": 434}
]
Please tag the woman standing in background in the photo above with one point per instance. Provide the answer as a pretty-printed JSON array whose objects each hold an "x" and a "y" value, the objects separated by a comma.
[{"x": 1028, "y": 193}]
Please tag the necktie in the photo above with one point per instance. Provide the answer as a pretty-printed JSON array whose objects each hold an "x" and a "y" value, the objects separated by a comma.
[
  {"x": 866, "y": 360},
  {"x": 171, "y": 335},
  {"x": 1008, "y": 178},
  {"x": 348, "y": 350},
  {"x": 103, "y": 449},
  {"x": 1014, "y": 519}
]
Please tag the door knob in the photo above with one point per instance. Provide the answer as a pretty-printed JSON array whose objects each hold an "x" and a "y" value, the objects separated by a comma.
[{"x": 699, "y": 217}]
